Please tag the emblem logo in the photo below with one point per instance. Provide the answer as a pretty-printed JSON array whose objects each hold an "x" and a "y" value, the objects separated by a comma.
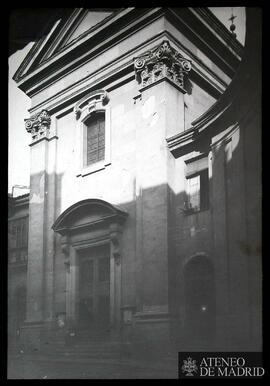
[{"x": 189, "y": 367}]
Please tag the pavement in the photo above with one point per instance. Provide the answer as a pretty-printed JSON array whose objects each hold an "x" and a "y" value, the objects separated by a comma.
[{"x": 61, "y": 366}]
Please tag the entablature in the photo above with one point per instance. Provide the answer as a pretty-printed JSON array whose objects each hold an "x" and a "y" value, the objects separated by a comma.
[
  {"x": 121, "y": 70},
  {"x": 123, "y": 23}
]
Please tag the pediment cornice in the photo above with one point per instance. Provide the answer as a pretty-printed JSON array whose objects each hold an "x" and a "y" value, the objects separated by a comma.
[{"x": 52, "y": 51}]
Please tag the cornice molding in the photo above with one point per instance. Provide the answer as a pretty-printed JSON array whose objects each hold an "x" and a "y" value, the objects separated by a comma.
[
  {"x": 130, "y": 18},
  {"x": 62, "y": 39},
  {"x": 219, "y": 28},
  {"x": 238, "y": 105},
  {"x": 205, "y": 38},
  {"x": 91, "y": 36},
  {"x": 35, "y": 54},
  {"x": 160, "y": 63},
  {"x": 120, "y": 70}
]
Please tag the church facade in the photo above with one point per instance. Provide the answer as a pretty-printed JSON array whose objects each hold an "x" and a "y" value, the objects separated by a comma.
[{"x": 144, "y": 205}]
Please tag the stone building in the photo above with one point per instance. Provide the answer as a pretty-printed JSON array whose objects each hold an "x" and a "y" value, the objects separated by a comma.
[
  {"x": 18, "y": 217},
  {"x": 144, "y": 205}
]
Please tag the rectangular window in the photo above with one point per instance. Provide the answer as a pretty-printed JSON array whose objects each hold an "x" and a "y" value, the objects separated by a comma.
[
  {"x": 197, "y": 192},
  {"x": 95, "y": 139},
  {"x": 204, "y": 190},
  {"x": 194, "y": 192},
  {"x": 18, "y": 233}
]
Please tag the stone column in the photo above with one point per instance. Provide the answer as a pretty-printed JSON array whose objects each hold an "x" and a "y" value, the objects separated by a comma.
[{"x": 161, "y": 74}]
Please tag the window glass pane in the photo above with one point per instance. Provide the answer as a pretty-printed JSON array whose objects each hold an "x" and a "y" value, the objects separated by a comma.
[
  {"x": 101, "y": 154},
  {"x": 95, "y": 139},
  {"x": 18, "y": 233},
  {"x": 194, "y": 192},
  {"x": 204, "y": 190}
]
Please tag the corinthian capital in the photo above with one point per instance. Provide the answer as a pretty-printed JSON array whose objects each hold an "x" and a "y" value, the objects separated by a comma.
[
  {"x": 38, "y": 125},
  {"x": 160, "y": 63}
]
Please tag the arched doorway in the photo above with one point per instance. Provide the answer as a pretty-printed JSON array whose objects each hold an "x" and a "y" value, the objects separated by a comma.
[{"x": 199, "y": 295}]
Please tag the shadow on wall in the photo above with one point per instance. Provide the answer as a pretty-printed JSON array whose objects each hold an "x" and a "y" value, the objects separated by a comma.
[{"x": 214, "y": 281}]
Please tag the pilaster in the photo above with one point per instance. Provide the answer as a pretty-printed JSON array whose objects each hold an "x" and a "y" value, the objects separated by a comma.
[
  {"x": 40, "y": 275},
  {"x": 161, "y": 74}
]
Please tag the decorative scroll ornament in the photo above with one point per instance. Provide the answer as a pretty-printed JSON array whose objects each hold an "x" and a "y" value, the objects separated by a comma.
[
  {"x": 95, "y": 100},
  {"x": 38, "y": 125},
  {"x": 115, "y": 236},
  {"x": 159, "y": 63}
]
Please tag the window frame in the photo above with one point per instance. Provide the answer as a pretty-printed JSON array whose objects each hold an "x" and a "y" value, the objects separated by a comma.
[
  {"x": 20, "y": 239},
  {"x": 203, "y": 203},
  {"x": 85, "y": 139},
  {"x": 93, "y": 103},
  {"x": 197, "y": 166}
]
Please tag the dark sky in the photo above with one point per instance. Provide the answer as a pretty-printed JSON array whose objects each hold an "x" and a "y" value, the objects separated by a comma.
[{"x": 29, "y": 24}]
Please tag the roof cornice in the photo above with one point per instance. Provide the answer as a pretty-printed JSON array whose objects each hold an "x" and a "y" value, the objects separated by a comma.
[
  {"x": 82, "y": 48},
  {"x": 92, "y": 36},
  {"x": 228, "y": 110}
]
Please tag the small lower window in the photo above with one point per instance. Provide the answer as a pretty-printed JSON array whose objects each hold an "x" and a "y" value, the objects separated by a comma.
[{"x": 197, "y": 192}]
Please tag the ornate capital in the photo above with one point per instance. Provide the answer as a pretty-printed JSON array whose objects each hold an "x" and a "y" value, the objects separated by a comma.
[
  {"x": 38, "y": 125},
  {"x": 163, "y": 62}
]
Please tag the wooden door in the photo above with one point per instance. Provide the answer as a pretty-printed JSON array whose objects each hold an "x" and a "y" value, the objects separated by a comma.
[{"x": 94, "y": 288}]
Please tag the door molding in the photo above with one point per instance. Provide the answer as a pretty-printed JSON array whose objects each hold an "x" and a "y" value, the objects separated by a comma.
[{"x": 87, "y": 224}]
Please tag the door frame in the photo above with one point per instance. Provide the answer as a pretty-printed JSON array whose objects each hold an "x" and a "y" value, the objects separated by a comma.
[
  {"x": 72, "y": 281},
  {"x": 78, "y": 258},
  {"x": 86, "y": 224}
]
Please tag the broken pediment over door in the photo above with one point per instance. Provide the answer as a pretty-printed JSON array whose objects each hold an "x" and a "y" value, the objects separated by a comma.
[{"x": 88, "y": 213}]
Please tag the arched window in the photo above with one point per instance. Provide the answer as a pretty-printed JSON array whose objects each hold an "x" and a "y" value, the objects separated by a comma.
[
  {"x": 199, "y": 290},
  {"x": 95, "y": 138}
]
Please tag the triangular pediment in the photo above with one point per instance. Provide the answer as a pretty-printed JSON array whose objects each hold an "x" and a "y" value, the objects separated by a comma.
[
  {"x": 67, "y": 30},
  {"x": 88, "y": 20}
]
